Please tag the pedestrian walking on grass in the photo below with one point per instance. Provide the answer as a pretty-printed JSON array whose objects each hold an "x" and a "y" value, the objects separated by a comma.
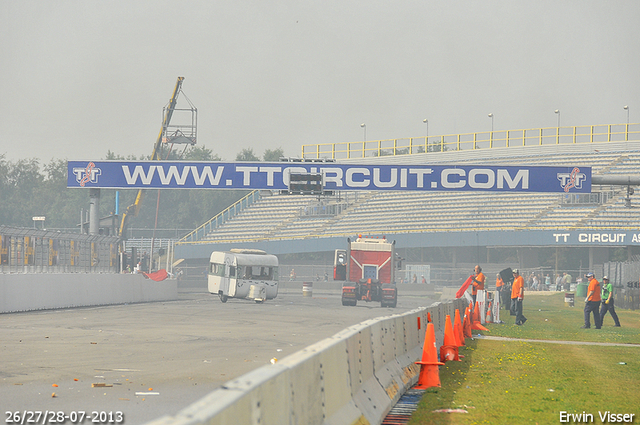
[
  {"x": 517, "y": 295},
  {"x": 592, "y": 302},
  {"x": 607, "y": 302}
]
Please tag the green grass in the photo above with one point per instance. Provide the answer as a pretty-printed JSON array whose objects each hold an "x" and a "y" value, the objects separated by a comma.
[
  {"x": 563, "y": 323},
  {"x": 516, "y": 382}
]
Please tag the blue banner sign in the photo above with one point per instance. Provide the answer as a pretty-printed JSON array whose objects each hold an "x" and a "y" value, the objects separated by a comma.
[{"x": 275, "y": 176}]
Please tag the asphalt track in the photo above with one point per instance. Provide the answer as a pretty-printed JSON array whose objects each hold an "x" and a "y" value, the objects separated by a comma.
[{"x": 170, "y": 353}]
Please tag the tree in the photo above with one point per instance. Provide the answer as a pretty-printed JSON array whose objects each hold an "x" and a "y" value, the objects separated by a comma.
[
  {"x": 247, "y": 155},
  {"x": 273, "y": 155},
  {"x": 20, "y": 192},
  {"x": 197, "y": 153}
]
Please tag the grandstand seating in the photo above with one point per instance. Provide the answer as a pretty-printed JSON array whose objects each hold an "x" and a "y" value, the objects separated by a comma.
[{"x": 279, "y": 216}]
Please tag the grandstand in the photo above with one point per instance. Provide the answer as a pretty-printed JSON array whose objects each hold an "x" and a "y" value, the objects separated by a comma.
[{"x": 293, "y": 223}]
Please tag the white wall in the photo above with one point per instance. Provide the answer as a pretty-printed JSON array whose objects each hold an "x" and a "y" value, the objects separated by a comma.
[
  {"x": 40, "y": 291},
  {"x": 354, "y": 377}
]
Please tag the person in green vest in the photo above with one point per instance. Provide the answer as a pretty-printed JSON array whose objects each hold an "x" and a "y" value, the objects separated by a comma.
[
  {"x": 566, "y": 281},
  {"x": 607, "y": 302}
]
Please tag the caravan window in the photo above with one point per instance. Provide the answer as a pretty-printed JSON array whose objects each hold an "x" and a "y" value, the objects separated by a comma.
[
  {"x": 217, "y": 269},
  {"x": 232, "y": 271},
  {"x": 256, "y": 272}
]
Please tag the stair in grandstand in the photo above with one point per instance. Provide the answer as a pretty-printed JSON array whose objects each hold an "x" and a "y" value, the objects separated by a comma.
[
  {"x": 362, "y": 198},
  {"x": 278, "y": 227},
  {"x": 318, "y": 215},
  {"x": 585, "y": 221}
]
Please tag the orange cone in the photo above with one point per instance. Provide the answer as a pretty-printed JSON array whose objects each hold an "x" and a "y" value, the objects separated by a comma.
[
  {"x": 476, "y": 313},
  {"x": 429, "y": 372},
  {"x": 478, "y": 327},
  {"x": 476, "y": 320},
  {"x": 428, "y": 317},
  {"x": 457, "y": 327},
  {"x": 489, "y": 318},
  {"x": 466, "y": 324},
  {"x": 449, "y": 349}
]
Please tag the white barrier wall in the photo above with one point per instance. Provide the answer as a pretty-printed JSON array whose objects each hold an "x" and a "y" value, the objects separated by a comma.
[
  {"x": 40, "y": 291},
  {"x": 354, "y": 377}
]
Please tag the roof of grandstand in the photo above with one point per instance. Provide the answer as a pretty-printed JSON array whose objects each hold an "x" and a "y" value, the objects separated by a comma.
[{"x": 282, "y": 223}]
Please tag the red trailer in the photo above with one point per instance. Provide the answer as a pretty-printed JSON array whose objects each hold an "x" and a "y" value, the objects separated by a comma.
[{"x": 370, "y": 271}]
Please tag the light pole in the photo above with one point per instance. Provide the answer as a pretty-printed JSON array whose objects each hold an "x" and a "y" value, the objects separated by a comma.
[
  {"x": 626, "y": 108},
  {"x": 426, "y": 139},
  {"x": 626, "y": 133},
  {"x": 364, "y": 127},
  {"x": 557, "y": 112},
  {"x": 490, "y": 135}
]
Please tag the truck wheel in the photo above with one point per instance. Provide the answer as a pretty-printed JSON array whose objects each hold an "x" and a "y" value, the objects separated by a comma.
[
  {"x": 223, "y": 298},
  {"x": 390, "y": 304}
]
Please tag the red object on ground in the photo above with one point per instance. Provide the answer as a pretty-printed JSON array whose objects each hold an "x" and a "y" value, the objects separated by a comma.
[{"x": 157, "y": 276}]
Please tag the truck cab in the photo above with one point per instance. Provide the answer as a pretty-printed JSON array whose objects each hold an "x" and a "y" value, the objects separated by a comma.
[{"x": 369, "y": 272}]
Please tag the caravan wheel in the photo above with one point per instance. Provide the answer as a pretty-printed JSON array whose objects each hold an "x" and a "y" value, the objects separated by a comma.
[{"x": 223, "y": 298}]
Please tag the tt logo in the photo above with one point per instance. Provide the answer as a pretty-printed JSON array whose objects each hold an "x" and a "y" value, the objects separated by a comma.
[
  {"x": 87, "y": 175},
  {"x": 570, "y": 180}
]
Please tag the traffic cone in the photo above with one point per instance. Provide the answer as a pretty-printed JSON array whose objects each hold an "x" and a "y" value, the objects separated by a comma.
[
  {"x": 429, "y": 317},
  {"x": 467, "y": 324},
  {"x": 476, "y": 313},
  {"x": 489, "y": 318},
  {"x": 457, "y": 327},
  {"x": 476, "y": 320},
  {"x": 429, "y": 372},
  {"x": 449, "y": 349}
]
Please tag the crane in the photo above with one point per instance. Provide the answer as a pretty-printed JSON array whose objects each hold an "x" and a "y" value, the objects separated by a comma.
[{"x": 133, "y": 209}]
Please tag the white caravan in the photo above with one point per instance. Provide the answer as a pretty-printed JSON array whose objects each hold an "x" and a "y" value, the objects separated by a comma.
[{"x": 243, "y": 273}]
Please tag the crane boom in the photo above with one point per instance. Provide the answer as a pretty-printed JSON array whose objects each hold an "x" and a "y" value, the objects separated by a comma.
[{"x": 133, "y": 209}]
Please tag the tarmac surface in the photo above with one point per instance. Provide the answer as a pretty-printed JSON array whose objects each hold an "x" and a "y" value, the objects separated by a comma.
[{"x": 154, "y": 359}]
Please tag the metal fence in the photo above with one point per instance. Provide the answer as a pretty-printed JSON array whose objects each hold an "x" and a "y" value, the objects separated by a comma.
[
  {"x": 27, "y": 250},
  {"x": 473, "y": 141},
  {"x": 625, "y": 279}
]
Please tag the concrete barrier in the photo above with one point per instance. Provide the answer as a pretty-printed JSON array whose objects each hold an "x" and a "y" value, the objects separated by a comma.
[
  {"x": 27, "y": 292},
  {"x": 353, "y": 377}
]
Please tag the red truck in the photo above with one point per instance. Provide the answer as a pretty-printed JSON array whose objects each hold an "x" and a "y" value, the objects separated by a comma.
[{"x": 368, "y": 268}]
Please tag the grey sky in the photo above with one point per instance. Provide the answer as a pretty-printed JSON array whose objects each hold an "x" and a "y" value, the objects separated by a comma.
[{"x": 79, "y": 77}]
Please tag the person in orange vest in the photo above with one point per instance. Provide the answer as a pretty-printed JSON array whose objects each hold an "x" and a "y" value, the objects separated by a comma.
[
  {"x": 499, "y": 286},
  {"x": 477, "y": 282},
  {"x": 517, "y": 295},
  {"x": 592, "y": 302}
]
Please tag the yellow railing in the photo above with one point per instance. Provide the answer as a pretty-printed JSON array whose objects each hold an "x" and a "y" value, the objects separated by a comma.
[{"x": 471, "y": 141}]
